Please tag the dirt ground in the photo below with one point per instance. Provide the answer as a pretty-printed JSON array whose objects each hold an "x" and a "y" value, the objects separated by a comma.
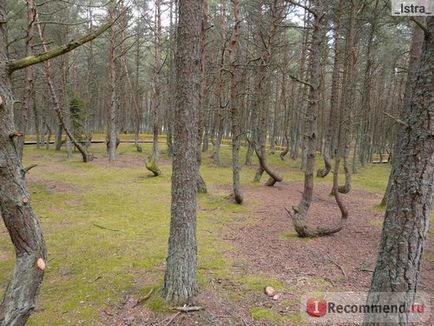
[{"x": 341, "y": 262}]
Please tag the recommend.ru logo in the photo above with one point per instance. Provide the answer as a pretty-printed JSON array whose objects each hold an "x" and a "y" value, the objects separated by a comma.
[{"x": 351, "y": 307}]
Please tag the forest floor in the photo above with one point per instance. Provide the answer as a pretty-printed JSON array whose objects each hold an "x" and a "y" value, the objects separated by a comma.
[{"x": 106, "y": 227}]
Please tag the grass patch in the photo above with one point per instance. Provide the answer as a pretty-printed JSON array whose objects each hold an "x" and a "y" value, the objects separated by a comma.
[
  {"x": 263, "y": 314},
  {"x": 90, "y": 267}
]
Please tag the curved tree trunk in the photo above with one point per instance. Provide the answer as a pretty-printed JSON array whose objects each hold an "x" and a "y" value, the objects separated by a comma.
[
  {"x": 299, "y": 219},
  {"x": 15, "y": 207},
  {"x": 334, "y": 98},
  {"x": 86, "y": 157}
]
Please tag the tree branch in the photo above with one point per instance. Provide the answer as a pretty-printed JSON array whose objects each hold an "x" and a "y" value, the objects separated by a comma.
[
  {"x": 396, "y": 119},
  {"x": 421, "y": 25},
  {"x": 313, "y": 12},
  {"x": 301, "y": 81},
  {"x": 50, "y": 54}
]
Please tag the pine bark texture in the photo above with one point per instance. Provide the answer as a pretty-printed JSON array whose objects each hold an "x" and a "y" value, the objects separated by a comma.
[
  {"x": 15, "y": 207},
  {"x": 180, "y": 282},
  {"x": 235, "y": 103},
  {"x": 410, "y": 199}
]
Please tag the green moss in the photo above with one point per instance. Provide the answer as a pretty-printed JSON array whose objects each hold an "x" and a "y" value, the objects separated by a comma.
[
  {"x": 293, "y": 236},
  {"x": 295, "y": 319},
  {"x": 257, "y": 283},
  {"x": 263, "y": 314},
  {"x": 90, "y": 267},
  {"x": 373, "y": 178}
]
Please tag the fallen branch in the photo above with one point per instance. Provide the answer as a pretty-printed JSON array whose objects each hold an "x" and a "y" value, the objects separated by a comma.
[
  {"x": 108, "y": 229},
  {"x": 141, "y": 301},
  {"x": 188, "y": 309},
  {"x": 27, "y": 169},
  {"x": 173, "y": 318},
  {"x": 339, "y": 266},
  {"x": 396, "y": 119}
]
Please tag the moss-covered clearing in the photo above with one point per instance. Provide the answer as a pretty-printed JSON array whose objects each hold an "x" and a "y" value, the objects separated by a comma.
[{"x": 107, "y": 227}]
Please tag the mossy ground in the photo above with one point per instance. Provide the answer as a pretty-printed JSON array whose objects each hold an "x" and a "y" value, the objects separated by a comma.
[{"x": 106, "y": 228}]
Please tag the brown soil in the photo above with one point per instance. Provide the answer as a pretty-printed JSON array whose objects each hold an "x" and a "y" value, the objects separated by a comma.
[{"x": 341, "y": 262}]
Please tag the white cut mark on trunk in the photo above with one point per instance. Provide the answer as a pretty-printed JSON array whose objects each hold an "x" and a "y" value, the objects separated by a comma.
[{"x": 41, "y": 264}]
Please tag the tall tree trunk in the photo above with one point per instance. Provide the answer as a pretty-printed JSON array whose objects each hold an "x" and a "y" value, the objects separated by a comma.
[
  {"x": 299, "y": 218},
  {"x": 410, "y": 199},
  {"x": 180, "y": 280},
  {"x": 334, "y": 98},
  {"x": 86, "y": 157},
  {"x": 29, "y": 84},
  {"x": 15, "y": 206},
  {"x": 235, "y": 103},
  {"x": 112, "y": 132},
  {"x": 348, "y": 92},
  {"x": 201, "y": 185},
  {"x": 415, "y": 57},
  {"x": 152, "y": 163}
]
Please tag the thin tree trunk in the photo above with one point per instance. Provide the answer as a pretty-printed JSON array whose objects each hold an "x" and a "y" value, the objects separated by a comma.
[
  {"x": 112, "y": 134},
  {"x": 152, "y": 163},
  {"x": 201, "y": 185},
  {"x": 57, "y": 108},
  {"x": 334, "y": 98},
  {"x": 235, "y": 105},
  {"x": 310, "y": 136}
]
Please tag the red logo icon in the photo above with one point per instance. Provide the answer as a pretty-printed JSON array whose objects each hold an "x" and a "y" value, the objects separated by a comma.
[{"x": 316, "y": 307}]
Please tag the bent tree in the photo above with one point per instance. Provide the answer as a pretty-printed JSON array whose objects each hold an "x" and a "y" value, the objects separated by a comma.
[
  {"x": 299, "y": 218},
  {"x": 180, "y": 280},
  {"x": 15, "y": 206},
  {"x": 410, "y": 199}
]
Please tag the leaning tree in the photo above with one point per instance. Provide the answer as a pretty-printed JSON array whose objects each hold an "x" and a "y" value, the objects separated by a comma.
[{"x": 15, "y": 205}]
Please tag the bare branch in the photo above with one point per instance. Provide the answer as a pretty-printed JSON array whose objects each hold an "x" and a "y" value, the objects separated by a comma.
[
  {"x": 396, "y": 119},
  {"x": 50, "y": 54}
]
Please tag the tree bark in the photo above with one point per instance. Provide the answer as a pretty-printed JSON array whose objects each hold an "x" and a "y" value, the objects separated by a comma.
[
  {"x": 180, "y": 280},
  {"x": 410, "y": 200},
  {"x": 334, "y": 98},
  {"x": 152, "y": 163},
  {"x": 415, "y": 57},
  {"x": 235, "y": 105},
  {"x": 112, "y": 132},
  {"x": 299, "y": 218},
  {"x": 15, "y": 207},
  {"x": 57, "y": 108}
]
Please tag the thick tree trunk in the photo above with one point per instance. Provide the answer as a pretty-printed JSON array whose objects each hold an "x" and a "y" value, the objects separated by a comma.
[
  {"x": 180, "y": 281},
  {"x": 15, "y": 207},
  {"x": 415, "y": 56},
  {"x": 410, "y": 200}
]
